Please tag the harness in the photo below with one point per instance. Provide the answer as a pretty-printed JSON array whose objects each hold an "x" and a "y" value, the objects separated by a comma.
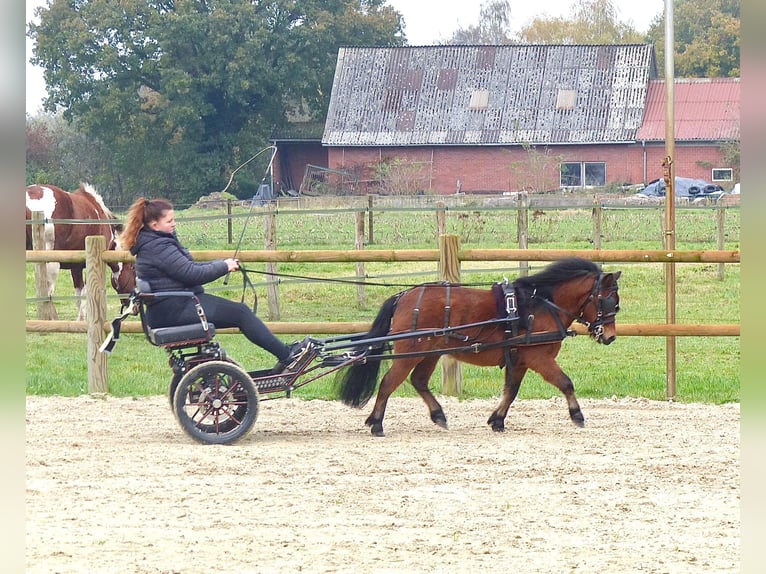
[{"x": 507, "y": 301}]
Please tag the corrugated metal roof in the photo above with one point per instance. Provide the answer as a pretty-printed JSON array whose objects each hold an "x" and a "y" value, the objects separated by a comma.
[
  {"x": 298, "y": 131},
  {"x": 488, "y": 95},
  {"x": 705, "y": 109}
]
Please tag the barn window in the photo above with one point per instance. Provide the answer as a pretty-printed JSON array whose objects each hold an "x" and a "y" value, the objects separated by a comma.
[
  {"x": 722, "y": 174},
  {"x": 583, "y": 174}
]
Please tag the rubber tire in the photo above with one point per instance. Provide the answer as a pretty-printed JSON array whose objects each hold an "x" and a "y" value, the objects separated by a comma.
[
  {"x": 234, "y": 416},
  {"x": 172, "y": 389},
  {"x": 176, "y": 378}
]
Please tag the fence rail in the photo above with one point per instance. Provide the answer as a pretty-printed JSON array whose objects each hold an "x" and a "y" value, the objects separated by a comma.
[{"x": 448, "y": 256}]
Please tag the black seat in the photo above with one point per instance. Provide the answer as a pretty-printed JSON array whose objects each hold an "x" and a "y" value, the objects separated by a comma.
[
  {"x": 191, "y": 335},
  {"x": 185, "y": 334},
  {"x": 177, "y": 335}
]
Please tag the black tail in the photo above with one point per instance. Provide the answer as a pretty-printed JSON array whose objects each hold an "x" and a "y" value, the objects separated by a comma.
[{"x": 358, "y": 382}]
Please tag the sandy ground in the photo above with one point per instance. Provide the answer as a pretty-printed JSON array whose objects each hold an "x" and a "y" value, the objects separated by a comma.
[{"x": 115, "y": 486}]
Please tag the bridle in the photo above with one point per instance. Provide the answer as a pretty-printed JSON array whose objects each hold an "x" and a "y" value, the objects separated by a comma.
[{"x": 606, "y": 305}]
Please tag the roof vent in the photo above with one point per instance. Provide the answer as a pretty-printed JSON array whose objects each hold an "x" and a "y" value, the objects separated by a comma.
[
  {"x": 479, "y": 100},
  {"x": 566, "y": 99}
]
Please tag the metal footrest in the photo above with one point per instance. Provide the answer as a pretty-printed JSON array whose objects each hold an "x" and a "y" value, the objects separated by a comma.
[{"x": 274, "y": 383}]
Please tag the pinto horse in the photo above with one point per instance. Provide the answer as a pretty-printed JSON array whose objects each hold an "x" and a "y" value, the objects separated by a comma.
[
  {"x": 84, "y": 204},
  {"x": 519, "y": 326}
]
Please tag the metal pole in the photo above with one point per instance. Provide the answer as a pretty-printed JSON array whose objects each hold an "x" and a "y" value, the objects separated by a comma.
[{"x": 670, "y": 199}]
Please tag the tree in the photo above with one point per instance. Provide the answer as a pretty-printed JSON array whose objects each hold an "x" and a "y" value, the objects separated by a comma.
[
  {"x": 592, "y": 22},
  {"x": 59, "y": 154},
  {"x": 707, "y": 38},
  {"x": 184, "y": 92},
  {"x": 494, "y": 26}
]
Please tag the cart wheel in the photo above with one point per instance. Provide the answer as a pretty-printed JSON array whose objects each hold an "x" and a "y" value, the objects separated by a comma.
[
  {"x": 216, "y": 402},
  {"x": 177, "y": 379},
  {"x": 172, "y": 390}
]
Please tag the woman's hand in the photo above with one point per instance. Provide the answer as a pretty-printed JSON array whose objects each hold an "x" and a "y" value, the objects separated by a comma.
[{"x": 232, "y": 264}]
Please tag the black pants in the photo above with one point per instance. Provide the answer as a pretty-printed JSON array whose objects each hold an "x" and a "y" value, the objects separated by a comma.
[{"x": 223, "y": 313}]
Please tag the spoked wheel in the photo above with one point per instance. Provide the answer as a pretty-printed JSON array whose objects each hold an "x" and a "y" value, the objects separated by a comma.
[
  {"x": 177, "y": 379},
  {"x": 216, "y": 402}
]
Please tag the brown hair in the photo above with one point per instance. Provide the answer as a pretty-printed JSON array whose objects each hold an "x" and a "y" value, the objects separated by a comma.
[{"x": 142, "y": 212}]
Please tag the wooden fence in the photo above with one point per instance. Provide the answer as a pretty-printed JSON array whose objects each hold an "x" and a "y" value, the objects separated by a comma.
[{"x": 449, "y": 257}]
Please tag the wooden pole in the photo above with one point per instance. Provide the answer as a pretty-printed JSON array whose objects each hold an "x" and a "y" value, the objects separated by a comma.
[
  {"x": 361, "y": 299},
  {"x": 228, "y": 221},
  {"x": 670, "y": 197},
  {"x": 721, "y": 224},
  {"x": 370, "y": 223},
  {"x": 597, "y": 223},
  {"x": 95, "y": 314},
  {"x": 272, "y": 283},
  {"x": 523, "y": 230},
  {"x": 449, "y": 265},
  {"x": 441, "y": 230},
  {"x": 46, "y": 310}
]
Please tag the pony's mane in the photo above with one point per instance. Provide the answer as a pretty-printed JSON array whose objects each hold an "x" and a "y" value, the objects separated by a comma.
[
  {"x": 88, "y": 189},
  {"x": 559, "y": 272},
  {"x": 554, "y": 274}
]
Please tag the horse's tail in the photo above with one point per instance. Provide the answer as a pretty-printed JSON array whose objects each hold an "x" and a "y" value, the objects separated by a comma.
[{"x": 358, "y": 381}]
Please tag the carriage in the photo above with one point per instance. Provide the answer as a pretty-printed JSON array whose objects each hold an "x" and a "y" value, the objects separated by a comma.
[{"x": 515, "y": 326}]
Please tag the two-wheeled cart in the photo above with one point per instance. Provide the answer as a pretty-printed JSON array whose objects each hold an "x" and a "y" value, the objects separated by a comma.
[{"x": 215, "y": 399}]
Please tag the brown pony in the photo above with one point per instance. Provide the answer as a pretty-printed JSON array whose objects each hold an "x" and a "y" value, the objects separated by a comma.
[
  {"x": 519, "y": 327},
  {"x": 83, "y": 204}
]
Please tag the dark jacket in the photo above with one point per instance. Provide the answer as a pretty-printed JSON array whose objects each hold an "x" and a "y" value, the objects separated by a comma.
[{"x": 166, "y": 265}]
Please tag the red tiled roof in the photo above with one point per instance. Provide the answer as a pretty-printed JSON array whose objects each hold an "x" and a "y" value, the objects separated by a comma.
[{"x": 705, "y": 109}]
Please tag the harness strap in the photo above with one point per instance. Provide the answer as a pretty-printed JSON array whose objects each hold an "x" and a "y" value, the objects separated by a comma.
[
  {"x": 512, "y": 322},
  {"x": 447, "y": 309},
  {"x": 416, "y": 310}
]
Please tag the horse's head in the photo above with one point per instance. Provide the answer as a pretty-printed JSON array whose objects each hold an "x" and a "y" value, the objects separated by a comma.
[
  {"x": 600, "y": 309},
  {"x": 124, "y": 281},
  {"x": 123, "y": 273}
]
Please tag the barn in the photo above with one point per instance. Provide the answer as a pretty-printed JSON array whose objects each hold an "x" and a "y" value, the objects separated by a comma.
[{"x": 496, "y": 119}]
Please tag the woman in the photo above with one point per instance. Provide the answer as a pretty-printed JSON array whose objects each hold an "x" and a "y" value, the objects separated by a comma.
[{"x": 163, "y": 264}]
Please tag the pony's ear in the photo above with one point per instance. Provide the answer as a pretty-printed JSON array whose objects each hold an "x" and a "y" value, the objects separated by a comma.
[{"x": 616, "y": 276}]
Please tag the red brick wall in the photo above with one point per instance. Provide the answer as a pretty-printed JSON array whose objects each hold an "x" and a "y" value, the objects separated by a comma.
[
  {"x": 495, "y": 169},
  {"x": 291, "y": 160}
]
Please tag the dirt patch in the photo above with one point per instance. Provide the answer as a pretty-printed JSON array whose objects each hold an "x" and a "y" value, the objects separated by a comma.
[{"x": 115, "y": 486}]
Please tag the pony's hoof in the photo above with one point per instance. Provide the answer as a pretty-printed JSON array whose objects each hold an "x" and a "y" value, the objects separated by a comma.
[
  {"x": 440, "y": 420},
  {"x": 577, "y": 418},
  {"x": 377, "y": 431},
  {"x": 497, "y": 424}
]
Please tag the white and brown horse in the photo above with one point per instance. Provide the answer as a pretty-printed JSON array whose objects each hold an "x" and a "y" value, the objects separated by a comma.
[{"x": 84, "y": 205}]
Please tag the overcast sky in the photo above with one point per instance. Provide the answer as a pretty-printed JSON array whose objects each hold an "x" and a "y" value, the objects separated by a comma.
[
  {"x": 429, "y": 21},
  {"x": 426, "y": 22}
]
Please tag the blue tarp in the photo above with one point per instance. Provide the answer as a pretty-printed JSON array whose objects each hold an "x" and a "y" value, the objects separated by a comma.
[{"x": 684, "y": 187}]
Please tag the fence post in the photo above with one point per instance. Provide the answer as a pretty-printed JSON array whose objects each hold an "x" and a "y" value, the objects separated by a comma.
[
  {"x": 272, "y": 283},
  {"x": 95, "y": 314},
  {"x": 721, "y": 223},
  {"x": 46, "y": 310},
  {"x": 370, "y": 208},
  {"x": 228, "y": 221},
  {"x": 441, "y": 229},
  {"x": 597, "y": 223},
  {"x": 361, "y": 298},
  {"x": 522, "y": 217},
  {"x": 449, "y": 266}
]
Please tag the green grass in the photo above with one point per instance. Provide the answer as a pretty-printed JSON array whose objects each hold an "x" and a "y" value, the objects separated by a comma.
[{"x": 707, "y": 367}]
